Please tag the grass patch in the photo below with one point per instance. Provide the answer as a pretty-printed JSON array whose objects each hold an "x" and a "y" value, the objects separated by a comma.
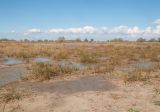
[
  {"x": 106, "y": 67},
  {"x": 61, "y": 54},
  {"x": 132, "y": 110},
  {"x": 87, "y": 57},
  {"x": 137, "y": 75},
  {"x": 11, "y": 94},
  {"x": 66, "y": 69},
  {"x": 45, "y": 71},
  {"x": 40, "y": 71}
]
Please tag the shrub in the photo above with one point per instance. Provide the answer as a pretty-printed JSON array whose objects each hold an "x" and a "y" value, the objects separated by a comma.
[
  {"x": 141, "y": 40},
  {"x": 40, "y": 71},
  {"x": 117, "y": 40}
]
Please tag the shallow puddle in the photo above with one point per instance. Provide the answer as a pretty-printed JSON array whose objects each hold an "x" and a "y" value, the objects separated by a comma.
[
  {"x": 84, "y": 84},
  {"x": 41, "y": 59},
  {"x": 144, "y": 65},
  {"x": 72, "y": 64},
  {"x": 11, "y": 61},
  {"x": 61, "y": 62}
]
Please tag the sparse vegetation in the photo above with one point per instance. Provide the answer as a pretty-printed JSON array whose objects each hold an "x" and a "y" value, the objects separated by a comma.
[
  {"x": 133, "y": 110},
  {"x": 40, "y": 71},
  {"x": 86, "y": 57},
  {"x": 45, "y": 71},
  {"x": 61, "y": 54},
  {"x": 107, "y": 67},
  {"x": 157, "y": 91},
  {"x": 9, "y": 94},
  {"x": 157, "y": 103},
  {"x": 111, "y": 59},
  {"x": 12, "y": 94},
  {"x": 137, "y": 75}
]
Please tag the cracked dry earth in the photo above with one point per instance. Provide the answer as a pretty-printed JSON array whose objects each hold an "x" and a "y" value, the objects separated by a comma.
[{"x": 87, "y": 94}]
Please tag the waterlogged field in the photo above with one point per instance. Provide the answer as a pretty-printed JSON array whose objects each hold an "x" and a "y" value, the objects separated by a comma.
[{"x": 80, "y": 77}]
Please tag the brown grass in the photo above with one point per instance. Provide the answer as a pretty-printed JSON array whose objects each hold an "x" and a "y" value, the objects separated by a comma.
[
  {"x": 118, "y": 54},
  {"x": 45, "y": 71}
]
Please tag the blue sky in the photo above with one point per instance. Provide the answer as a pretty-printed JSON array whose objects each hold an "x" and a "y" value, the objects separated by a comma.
[{"x": 100, "y": 19}]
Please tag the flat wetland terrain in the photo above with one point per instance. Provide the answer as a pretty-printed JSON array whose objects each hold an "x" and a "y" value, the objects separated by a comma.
[{"x": 79, "y": 77}]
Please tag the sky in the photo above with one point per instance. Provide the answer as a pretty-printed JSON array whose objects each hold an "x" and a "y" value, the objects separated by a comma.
[{"x": 98, "y": 19}]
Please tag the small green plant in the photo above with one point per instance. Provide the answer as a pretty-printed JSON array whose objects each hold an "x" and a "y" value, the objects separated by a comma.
[{"x": 132, "y": 110}]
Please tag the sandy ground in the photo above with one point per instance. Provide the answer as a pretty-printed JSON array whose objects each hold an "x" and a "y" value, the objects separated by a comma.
[{"x": 88, "y": 94}]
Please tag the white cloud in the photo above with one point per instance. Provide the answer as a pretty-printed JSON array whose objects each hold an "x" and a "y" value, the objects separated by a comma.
[
  {"x": 103, "y": 30},
  {"x": 83, "y": 30},
  {"x": 148, "y": 30},
  {"x": 157, "y": 22},
  {"x": 34, "y": 30},
  {"x": 122, "y": 30},
  {"x": 157, "y": 29},
  {"x": 135, "y": 30},
  {"x": 12, "y": 31},
  {"x": 119, "y": 29},
  {"x": 126, "y": 30}
]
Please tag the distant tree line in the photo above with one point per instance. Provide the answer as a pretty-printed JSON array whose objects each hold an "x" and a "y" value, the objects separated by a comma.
[
  {"x": 138, "y": 40},
  {"x": 5, "y": 39},
  {"x": 63, "y": 39},
  {"x": 150, "y": 40}
]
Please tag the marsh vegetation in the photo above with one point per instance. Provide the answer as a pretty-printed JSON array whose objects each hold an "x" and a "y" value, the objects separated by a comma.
[{"x": 126, "y": 65}]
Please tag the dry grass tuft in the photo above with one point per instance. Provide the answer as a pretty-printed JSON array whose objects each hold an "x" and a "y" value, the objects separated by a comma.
[
  {"x": 137, "y": 75},
  {"x": 12, "y": 94},
  {"x": 132, "y": 110},
  {"x": 157, "y": 103},
  {"x": 45, "y": 71},
  {"x": 87, "y": 57},
  {"x": 61, "y": 54}
]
